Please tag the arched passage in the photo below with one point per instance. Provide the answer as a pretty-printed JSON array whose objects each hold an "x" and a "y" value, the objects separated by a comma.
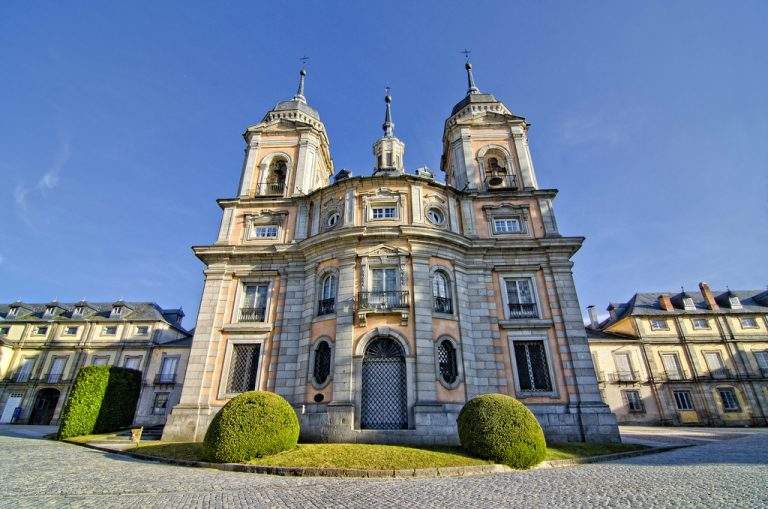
[
  {"x": 45, "y": 404},
  {"x": 384, "y": 402}
]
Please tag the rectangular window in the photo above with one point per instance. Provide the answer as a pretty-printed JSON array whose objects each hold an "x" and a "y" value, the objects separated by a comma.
[
  {"x": 168, "y": 368},
  {"x": 70, "y": 330},
  {"x": 25, "y": 369},
  {"x": 672, "y": 366},
  {"x": 520, "y": 298},
  {"x": 532, "y": 366},
  {"x": 688, "y": 304},
  {"x": 683, "y": 400},
  {"x": 658, "y": 324},
  {"x": 762, "y": 361},
  {"x": 109, "y": 330},
  {"x": 100, "y": 361},
  {"x": 4, "y": 331},
  {"x": 79, "y": 310},
  {"x": 160, "y": 405},
  {"x": 384, "y": 213},
  {"x": 40, "y": 331},
  {"x": 142, "y": 330},
  {"x": 700, "y": 323},
  {"x": 264, "y": 231},
  {"x": 748, "y": 323},
  {"x": 507, "y": 225},
  {"x": 715, "y": 364},
  {"x": 117, "y": 310},
  {"x": 624, "y": 372},
  {"x": 634, "y": 401},
  {"x": 728, "y": 398},
  {"x": 254, "y": 307},
  {"x": 57, "y": 370},
  {"x": 132, "y": 362},
  {"x": 243, "y": 367}
]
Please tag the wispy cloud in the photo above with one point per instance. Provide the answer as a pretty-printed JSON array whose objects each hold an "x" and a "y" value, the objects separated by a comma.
[
  {"x": 610, "y": 127},
  {"x": 23, "y": 194}
]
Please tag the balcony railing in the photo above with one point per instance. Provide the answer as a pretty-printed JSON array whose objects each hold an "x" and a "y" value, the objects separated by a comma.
[
  {"x": 53, "y": 378},
  {"x": 672, "y": 377},
  {"x": 19, "y": 378},
  {"x": 717, "y": 374},
  {"x": 523, "y": 310},
  {"x": 271, "y": 189},
  {"x": 326, "y": 307},
  {"x": 443, "y": 305},
  {"x": 252, "y": 314},
  {"x": 165, "y": 378},
  {"x": 624, "y": 377},
  {"x": 505, "y": 182},
  {"x": 382, "y": 301}
]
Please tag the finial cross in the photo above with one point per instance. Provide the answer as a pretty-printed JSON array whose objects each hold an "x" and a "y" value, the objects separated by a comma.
[
  {"x": 466, "y": 53},
  {"x": 387, "y": 89},
  {"x": 304, "y": 60}
]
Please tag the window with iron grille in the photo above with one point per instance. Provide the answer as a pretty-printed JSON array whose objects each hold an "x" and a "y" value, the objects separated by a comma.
[
  {"x": 243, "y": 367},
  {"x": 634, "y": 401},
  {"x": 326, "y": 304},
  {"x": 441, "y": 293},
  {"x": 520, "y": 298},
  {"x": 322, "y": 365},
  {"x": 532, "y": 366},
  {"x": 729, "y": 400},
  {"x": 446, "y": 359},
  {"x": 160, "y": 405},
  {"x": 683, "y": 400}
]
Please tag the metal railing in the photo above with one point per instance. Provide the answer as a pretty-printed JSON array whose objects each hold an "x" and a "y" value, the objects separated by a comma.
[
  {"x": 672, "y": 377},
  {"x": 443, "y": 305},
  {"x": 624, "y": 377},
  {"x": 53, "y": 378},
  {"x": 165, "y": 378},
  {"x": 524, "y": 310},
  {"x": 381, "y": 301},
  {"x": 252, "y": 314},
  {"x": 271, "y": 189},
  {"x": 493, "y": 182},
  {"x": 326, "y": 306},
  {"x": 718, "y": 374}
]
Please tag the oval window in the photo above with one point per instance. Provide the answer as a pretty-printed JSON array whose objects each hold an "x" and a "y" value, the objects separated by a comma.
[
  {"x": 332, "y": 220},
  {"x": 435, "y": 216},
  {"x": 322, "y": 368}
]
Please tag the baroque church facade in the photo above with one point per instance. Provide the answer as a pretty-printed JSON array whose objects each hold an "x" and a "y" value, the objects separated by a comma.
[{"x": 377, "y": 305}]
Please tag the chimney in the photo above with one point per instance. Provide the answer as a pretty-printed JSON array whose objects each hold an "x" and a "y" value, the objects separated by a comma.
[
  {"x": 612, "y": 311},
  {"x": 665, "y": 302},
  {"x": 593, "y": 323},
  {"x": 708, "y": 297}
]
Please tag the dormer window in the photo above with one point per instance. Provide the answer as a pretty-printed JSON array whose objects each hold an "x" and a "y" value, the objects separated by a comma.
[
  {"x": 734, "y": 302},
  {"x": 12, "y": 312},
  {"x": 4, "y": 331},
  {"x": 117, "y": 311},
  {"x": 79, "y": 310},
  {"x": 688, "y": 304}
]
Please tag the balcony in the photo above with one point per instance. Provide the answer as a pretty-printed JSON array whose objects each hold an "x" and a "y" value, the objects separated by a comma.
[
  {"x": 382, "y": 302},
  {"x": 165, "y": 379},
  {"x": 53, "y": 378},
  {"x": 443, "y": 305},
  {"x": 326, "y": 307},
  {"x": 624, "y": 377},
  {"x": 672, "y": 377},
  {"x": 500, "y": 182},
  {"x": 523, "y": 310},
  {"x": 717, "y": 374},
  {"x": 252, "y": 314},
  {"x": 271, "y": 189}
]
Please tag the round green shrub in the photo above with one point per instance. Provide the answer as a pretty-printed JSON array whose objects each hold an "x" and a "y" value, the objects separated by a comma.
[
  {"x": 500, "y": 428},
  {"x": 251, "y": 425}
]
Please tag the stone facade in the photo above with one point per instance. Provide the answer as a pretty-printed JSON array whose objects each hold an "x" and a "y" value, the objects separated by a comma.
[
  {"x": 43, "y": 346},
  {"x": 378, "y": 305},
  {"x": 690, "y": 358}
]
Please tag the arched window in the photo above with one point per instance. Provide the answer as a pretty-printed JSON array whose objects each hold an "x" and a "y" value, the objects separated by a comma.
[
  {"x": 327, "y": 303},
  {"x": 447, "y": 362},
  {"x": 441, "y": 293},
  {"x": 321, "y": 368},
  {"x": 278, "y": 170}
]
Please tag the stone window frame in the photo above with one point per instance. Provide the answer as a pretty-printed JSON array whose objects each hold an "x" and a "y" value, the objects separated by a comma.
[
  {"x": 227, "y": 364},
  {"x": 95, "y": 357},
  {"x": 36, "y": 330},
  {"x": 625, "y": 397},
  {"x": 706, "y": 326},
  {"x": 383, "y": 197},
  {"x": 321, "y": 275},
  {"x": 531, "y": 276},
  {"x": 252, "y": 280},
  {"x": 513, "y": 167},
  {"x": 106, "y": 328},
  {"x": 721, "y": 358},
  {"x": 133, "y": 356},
  {"x": 167, "y": 402},
  {"x": 276, "y": 218},
  {"x": 5, "y": 330},
  {"x": 448, "y": 273},
  {"x": 655, "y": 328},
  {"x": 689, "y": 400},
  {"x": 720, "y": 400},
  {"x": 65, "y": 330},
  {"x": 459, "y": 362},
  {"x": 521, "y": 212},
  {"x": 264, "y": 165},
  {"x": 752, "y": 318},
  {"x": 520, "y": 393},
  {"x": 32, "y": 365},
  {"x": 676, "y": 356},
  {"x": 139, "y": 333},
  {"x": 311, "y": 366},
  {"x": 631, "y": 360},
  {"x": 331, "y": 206}
]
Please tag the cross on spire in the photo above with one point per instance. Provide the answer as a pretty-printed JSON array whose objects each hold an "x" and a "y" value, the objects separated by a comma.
[
  {"x": 302, "y": 73},
  {"x": 471, "y": 86},
  {"x": 388, "y": 126}
]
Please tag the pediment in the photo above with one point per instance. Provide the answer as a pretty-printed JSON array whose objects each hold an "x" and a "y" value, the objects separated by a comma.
[{"x": 383, "y": 250}]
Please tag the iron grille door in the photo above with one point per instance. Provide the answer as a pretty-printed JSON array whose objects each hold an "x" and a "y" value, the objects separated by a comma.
[{"x": 384, "y": 403}]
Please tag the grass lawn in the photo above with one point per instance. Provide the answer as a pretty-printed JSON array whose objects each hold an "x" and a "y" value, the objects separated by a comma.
[{"x": 375, "y": 457}]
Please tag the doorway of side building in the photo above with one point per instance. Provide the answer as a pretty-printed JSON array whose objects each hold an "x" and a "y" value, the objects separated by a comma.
[
  {"x": 45, "y": 404},
  {"x": 384, "y": 403}
]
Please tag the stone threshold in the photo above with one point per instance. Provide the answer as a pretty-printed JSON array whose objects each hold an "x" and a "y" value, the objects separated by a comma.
[{"x": 464, "y": 471}]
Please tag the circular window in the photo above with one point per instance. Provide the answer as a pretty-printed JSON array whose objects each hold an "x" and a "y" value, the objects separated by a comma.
[
  {"x": 435, "y": 216},
  {"x": 332, "y": 220}
]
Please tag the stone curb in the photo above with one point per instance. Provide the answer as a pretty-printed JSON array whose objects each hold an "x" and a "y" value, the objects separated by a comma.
[
  {"x": 607, "y": 457},
  {"x": 399, "y": 474}
]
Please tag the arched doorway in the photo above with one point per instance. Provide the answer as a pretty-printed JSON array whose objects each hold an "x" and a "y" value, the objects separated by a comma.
[
  {"x": 384, "y": 394},
  {"x": 45, "y": 404}
]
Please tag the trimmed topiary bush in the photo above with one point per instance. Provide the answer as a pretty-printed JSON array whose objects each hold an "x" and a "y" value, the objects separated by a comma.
[
  {"x": 103, "y": 399},
  {"x": 251, "y": 425},
  {"x": 500, "y": 428}
]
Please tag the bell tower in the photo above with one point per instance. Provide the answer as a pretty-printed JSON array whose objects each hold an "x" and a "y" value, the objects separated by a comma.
[
  {"x": 388, "y": 150},
  {"x": 288, "y": 152},
  {"x": 485, "y": 146}
]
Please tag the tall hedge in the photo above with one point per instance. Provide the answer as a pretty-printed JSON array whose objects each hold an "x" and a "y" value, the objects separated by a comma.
[{"x": 103, "y": 399}]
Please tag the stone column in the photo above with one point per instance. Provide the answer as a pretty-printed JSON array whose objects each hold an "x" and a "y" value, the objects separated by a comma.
[
  {"x": 416, "y": 207},
  {"x": 249, "y": 165},
  {"x": 287, "y": 362},
  {"x": 226, "y": 224},
  {"x": 526, "y": 164},
  {"x": 302, "y": 222},
  {"x": 349, "y": 208},
  {"x": 548, "y": 217},
  {"x": 468, "y": 217},
  {"x": 422, "y": 319},
  {"x": 453, "y": 214}
]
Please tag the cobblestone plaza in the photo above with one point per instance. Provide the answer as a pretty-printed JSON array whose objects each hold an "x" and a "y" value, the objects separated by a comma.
[{"x": 728, "y": 473}]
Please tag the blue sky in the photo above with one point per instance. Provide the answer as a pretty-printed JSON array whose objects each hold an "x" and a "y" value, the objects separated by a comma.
[{"x": 120, "y": 125}]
